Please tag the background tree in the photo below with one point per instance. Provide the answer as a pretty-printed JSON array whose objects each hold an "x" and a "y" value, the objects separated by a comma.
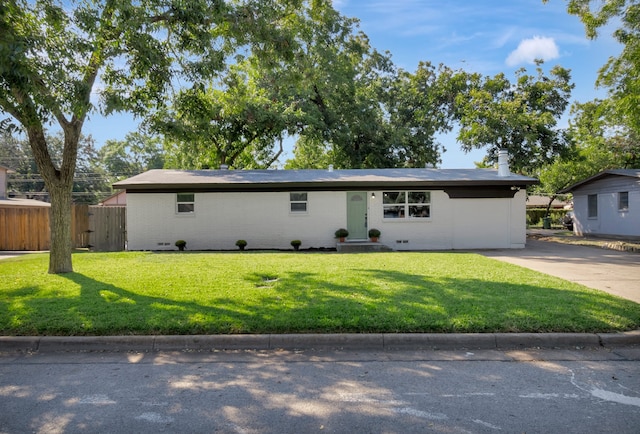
[
  {"x": 52, "y": 54},
  {"x": 90, "y": 184},
  {"x": 621, "y": 74},
  {"x": 521, "y": 117},
  {"x": 135, "y": 154},
  {"x": 419, "y": 107},
  {"x": 597, "y": 145},
  {"x": 232, "y": 122}
]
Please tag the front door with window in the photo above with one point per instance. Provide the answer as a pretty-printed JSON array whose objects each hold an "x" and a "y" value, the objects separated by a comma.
[{"x": 357, "y": 215}]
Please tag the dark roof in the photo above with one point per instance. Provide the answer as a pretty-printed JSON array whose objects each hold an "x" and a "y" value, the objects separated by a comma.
[
  {"x": 632, "y": 173},
  {"x": 317, "y": 179}
]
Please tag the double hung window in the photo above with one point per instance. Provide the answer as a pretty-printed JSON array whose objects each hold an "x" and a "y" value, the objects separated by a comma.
[
  {"x": 185, "y": 203},
  {"x": 298, "y": 202},
  {"x": 623, "y": 201}
]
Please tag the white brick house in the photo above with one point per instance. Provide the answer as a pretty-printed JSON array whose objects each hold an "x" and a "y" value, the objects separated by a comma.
[{"x": 415, "y": 209}]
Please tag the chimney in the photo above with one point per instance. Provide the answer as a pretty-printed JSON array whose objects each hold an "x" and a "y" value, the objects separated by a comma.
[{"x": 503, "y": 163}]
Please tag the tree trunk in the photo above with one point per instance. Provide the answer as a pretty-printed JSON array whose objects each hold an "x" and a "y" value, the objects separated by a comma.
[
  {"x": 59, "y": 184},
  {"x": 60, "y": 224}
]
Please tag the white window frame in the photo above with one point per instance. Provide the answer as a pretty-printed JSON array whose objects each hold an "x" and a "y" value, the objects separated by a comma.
[
  {"x": 296, "y": 199},
  {"x": 405, "y": 206},
  {"x": 623, "y": 206},
  {"x": 184, "y": 202}
]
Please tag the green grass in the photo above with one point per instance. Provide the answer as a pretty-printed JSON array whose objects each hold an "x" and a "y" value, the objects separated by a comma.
[{"x": 207, "y": 293}]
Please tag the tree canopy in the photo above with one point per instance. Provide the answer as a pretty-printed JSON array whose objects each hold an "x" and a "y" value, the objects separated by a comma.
[
  {"x": 521, "y": 117},
  {"x": 621, "y": 74},
  {"x": 55, "y": 57}
]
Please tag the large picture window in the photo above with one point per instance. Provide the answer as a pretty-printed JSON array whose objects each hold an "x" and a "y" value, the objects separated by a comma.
[
  {"x": 185, "y": 203},
  {"x": 298, "y": 202},
  {"x": 592, "y": 206},
  {"x": 406, "y": 204}
]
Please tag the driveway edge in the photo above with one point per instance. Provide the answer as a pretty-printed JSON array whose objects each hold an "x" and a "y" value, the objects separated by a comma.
[{"x": 372, "y": 342}]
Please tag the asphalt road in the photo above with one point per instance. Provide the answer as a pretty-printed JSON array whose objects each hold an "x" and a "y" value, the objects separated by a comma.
[
  {"x": 568, "y": 391},
  {"x": 615, "y": 272}
]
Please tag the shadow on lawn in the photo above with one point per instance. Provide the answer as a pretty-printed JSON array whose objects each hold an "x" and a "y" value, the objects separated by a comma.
[{"x": 387, "y": 301}]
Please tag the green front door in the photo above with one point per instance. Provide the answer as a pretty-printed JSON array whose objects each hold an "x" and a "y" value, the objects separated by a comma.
[{"x": 357, "y": 215}]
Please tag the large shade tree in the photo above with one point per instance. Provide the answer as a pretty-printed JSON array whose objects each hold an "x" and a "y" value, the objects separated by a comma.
[
  {"x": 55, "y": 55},
  {"x": 621, "y": 74},
  {"x": 521, "y": 117}
]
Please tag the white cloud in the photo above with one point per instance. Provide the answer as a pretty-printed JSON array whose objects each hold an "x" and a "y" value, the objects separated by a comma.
[{"x": 531, "y": 49}]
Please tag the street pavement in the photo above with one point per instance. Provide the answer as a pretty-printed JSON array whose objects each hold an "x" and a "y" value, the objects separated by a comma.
[{"x": 579, "y": 390}]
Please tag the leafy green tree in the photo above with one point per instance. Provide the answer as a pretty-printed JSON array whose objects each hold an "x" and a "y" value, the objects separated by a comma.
[
  {"x": 89, "y": 184},
  {"x": 621, "y": 74},
  {"x": 234, "y": 122},
  {"x": 420, "y": 106},
  {"x": 135, "y": 154},
  {"x": 598, "y": 145},
  {"x": 52, "y": 54},
  {"x": 520, "y": 117}
]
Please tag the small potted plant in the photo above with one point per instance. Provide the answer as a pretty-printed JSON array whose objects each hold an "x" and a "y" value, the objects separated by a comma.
[
  {"x": 374, "y": 234},
  {"x": 241, "y": 244},
  {"x": 296, "y": 244},
  {"x": 341, "y": 234},
  {"x": 181, "y": 245}
]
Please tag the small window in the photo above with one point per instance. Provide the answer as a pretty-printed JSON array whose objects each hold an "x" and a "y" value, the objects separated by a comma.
[
  {"x": 623, "y": 201},
  {"x": 406, "y": 204},
  {"x": 592, "y": 206},
  {"x": 185, "y": 203},
  {"x": 298, "y": 202}
]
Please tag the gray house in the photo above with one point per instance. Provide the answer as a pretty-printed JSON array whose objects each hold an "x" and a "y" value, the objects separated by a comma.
[{"x": 607, "y": 204}]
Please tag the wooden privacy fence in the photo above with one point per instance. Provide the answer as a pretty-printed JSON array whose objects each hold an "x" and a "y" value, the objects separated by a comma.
[
  {"x": 107, "y": 228},
  {"x": 96, "y": 227},
  {"x": 24, "y": 228}
]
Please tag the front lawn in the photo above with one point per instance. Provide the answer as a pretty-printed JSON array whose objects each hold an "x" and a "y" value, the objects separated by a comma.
[{"x": 255, "y": 292}]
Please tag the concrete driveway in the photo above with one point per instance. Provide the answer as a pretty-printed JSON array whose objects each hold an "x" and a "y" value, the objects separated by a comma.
[{"x": 615, "y": 272}]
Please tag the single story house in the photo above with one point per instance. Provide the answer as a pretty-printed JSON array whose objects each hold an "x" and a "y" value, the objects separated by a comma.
[
  {"x": 415, "y": 209},
  {"x": 118, "y": 198},
  {"x": 535, "y": 201},
  {"x": 14, "y": 202},
  {"x": 607, "y": 204}
]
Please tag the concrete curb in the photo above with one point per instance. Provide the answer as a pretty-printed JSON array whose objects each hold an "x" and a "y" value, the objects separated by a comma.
[{"x": 372, "y": 342}]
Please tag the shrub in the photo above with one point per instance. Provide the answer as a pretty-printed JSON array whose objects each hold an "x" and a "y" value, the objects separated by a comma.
[
  {"x": 342, "y": 233},
  {"x": 374, "y": 233},
  {"x": 241, "y": 243},
  {"x": 181, "y": 244},
  {"x": 296, "y": 244}
]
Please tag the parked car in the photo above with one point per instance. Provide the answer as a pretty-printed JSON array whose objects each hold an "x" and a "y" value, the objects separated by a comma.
[{"x": 567, "y": 221}]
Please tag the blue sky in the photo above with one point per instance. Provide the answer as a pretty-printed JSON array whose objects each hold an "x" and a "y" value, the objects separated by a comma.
[{"x": 485, "y": 36}]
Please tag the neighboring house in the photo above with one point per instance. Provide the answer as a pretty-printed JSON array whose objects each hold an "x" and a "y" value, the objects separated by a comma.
[
  {"x": 607, "y": 204},
  {"x": 6, "y": 201},
  {"x": 117, "y": 199},
  {"x": 415, "y": 209},
  {"x": 24, "y": 223},
  {"x": 535, "y": 201}
]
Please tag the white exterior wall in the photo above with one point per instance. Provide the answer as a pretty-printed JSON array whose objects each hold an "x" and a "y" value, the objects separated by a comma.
[
  {"x": 264, "y": 220},
  {"x": 610, "y": 220},
  {"x": 3, "y": 183},
  {"x": 220, "y": 219},
  {"x": 456, "y": 224}
]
